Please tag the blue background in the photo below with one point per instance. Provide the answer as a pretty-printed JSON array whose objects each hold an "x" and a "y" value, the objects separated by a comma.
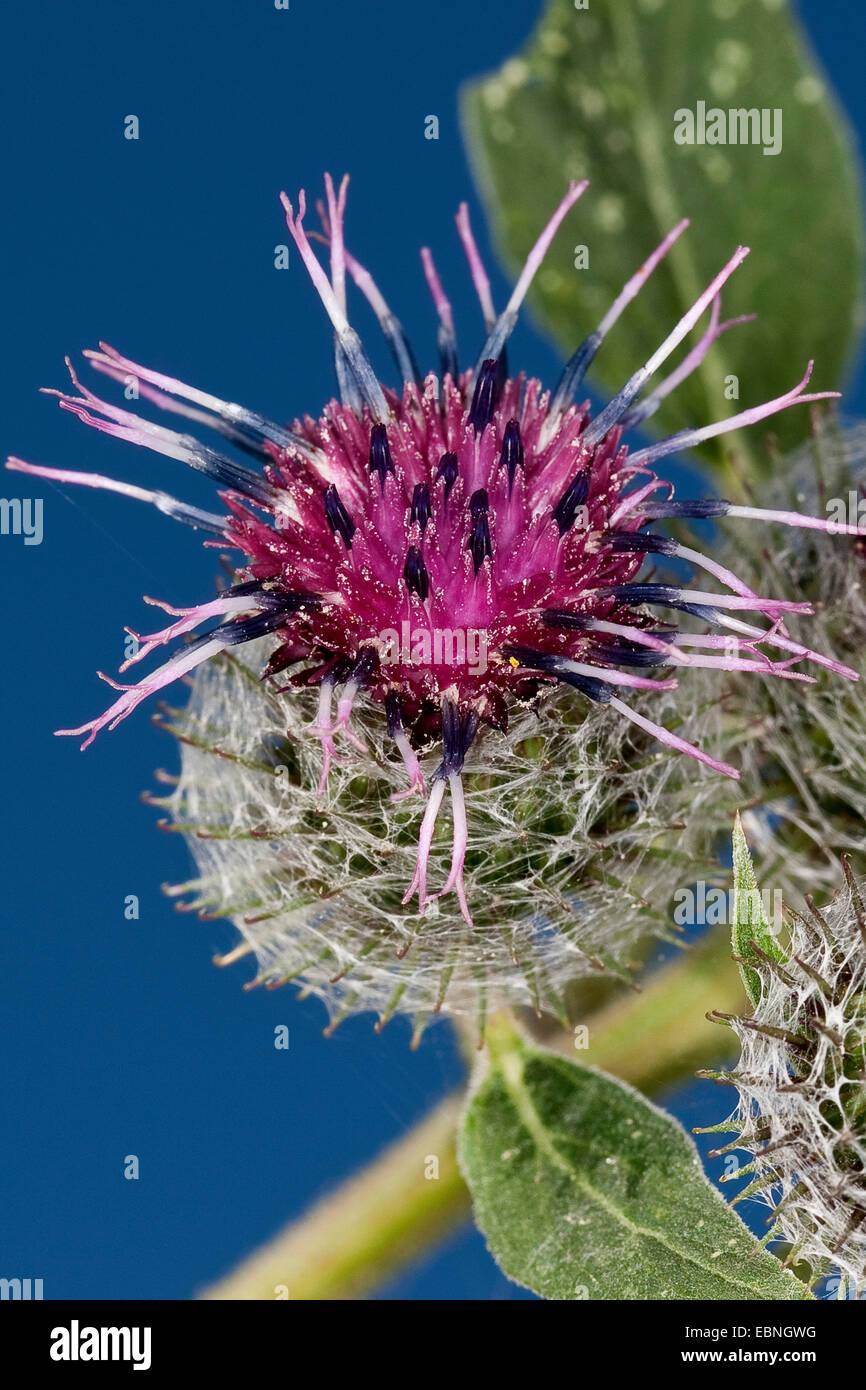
[{"x": 119, "y": 1037}]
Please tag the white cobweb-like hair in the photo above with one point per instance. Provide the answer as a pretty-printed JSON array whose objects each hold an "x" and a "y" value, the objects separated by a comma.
[
  {"x": 800, "y": 1077},
  {"x": 575, "y": 820},
  {"x": 803, "y": 747}
]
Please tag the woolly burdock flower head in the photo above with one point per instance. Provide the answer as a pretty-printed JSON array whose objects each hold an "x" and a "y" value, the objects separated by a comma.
[
  {"x": 444, "y": 556},
  {"x": 800, "y": 1077}
]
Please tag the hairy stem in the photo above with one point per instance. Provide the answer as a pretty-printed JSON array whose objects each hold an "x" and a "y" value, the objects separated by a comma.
[{"x": 374, "y": 1224}]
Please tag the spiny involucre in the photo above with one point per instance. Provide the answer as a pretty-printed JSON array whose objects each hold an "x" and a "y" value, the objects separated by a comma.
[
  {"x": 802, "y": 1086},
  {"x": 451, "y": 553}
]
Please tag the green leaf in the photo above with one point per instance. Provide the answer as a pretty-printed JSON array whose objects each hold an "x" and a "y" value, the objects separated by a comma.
[
  {"x": 750, "y": 926},
  {"x": 584, "y": 1189},
  {"x": 594, "y": 95}
]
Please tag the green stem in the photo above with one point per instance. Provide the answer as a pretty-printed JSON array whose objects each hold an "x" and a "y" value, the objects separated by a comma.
[
  {"x": 369, "y": 1227},
  {"x": 662, "y": 1035},
  {"x": 376, "y": 1223}
]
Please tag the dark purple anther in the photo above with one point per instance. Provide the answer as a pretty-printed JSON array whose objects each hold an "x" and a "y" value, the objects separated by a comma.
[
  {"x": 458, "y": 730},
  {"x": 276, "y": 599},
  {"x": 393, "y": 714},
  {"x": 598, "y": 690},
  {"x": 380, "y": 454},
  {"x": 337, "y": 516},
  {"x": 479, "y": 536},
  {"x": 566, "y": 509},
  {"x": 421, "y": 505},
  {"x": 365, "y": 667},
  {"x": 640, "y": 657},
  {"x": 562, "y": 618},
  {"x": 641, "y": 543},
  {"x": 697, "y": 509},
  {"x": 484, "y": 397},
  {"x": 448, "y": 469},
  {"x": 512, "y": 451},
  {"x": 665, "y": 595},
  {"x": 415, "y": 573},
  {"x": 528, "y": 656}
]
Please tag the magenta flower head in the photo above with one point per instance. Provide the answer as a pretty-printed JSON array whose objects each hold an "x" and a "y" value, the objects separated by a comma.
[{"x": 453, "y": 550}]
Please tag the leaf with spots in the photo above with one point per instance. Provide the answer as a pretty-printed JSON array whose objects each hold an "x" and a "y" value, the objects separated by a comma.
[
  {"x": 599, "y": 92},
  {"x": 583, "y": 1189}
]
